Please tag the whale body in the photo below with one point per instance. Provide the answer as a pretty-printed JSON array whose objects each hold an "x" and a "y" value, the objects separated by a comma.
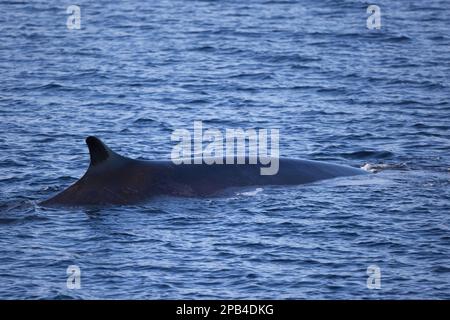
[{"x": 112, "y": 179}]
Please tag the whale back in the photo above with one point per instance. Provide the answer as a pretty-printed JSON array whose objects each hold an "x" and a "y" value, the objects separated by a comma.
[
  {"x": 109, "y": 179},
  {"x": 114, "y": 179}
]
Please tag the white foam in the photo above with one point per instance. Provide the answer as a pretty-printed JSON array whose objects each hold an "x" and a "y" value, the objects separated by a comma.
[
  {"x": 251, "y": 193},
  {"x": 376, "y": 167}
]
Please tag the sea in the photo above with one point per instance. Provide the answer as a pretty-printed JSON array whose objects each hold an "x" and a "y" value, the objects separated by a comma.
[{"x": 342, "y": 82}]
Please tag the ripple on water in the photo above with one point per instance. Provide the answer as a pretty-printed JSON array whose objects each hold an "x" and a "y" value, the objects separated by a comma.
[{"x": 338, "y": 92}]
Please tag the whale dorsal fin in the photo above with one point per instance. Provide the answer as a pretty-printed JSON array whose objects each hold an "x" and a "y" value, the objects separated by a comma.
[{"x": 98, "y": 151}]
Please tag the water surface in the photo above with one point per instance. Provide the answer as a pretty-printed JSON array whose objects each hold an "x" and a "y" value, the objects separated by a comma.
[{"x": 136, "y": 71}]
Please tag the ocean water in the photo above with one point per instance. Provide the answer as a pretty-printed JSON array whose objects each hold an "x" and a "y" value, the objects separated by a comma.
[{"x": 136, "y": 71}]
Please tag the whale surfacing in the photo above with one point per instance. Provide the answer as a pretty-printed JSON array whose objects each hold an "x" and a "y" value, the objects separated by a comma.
[{"x": 112, "y": 179}]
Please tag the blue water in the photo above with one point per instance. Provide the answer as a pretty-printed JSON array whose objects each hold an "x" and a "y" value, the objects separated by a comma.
[{"x": 337, "y": 91}]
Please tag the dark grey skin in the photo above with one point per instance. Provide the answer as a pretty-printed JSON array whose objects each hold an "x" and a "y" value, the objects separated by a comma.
[{"x": 112, "y": 179}]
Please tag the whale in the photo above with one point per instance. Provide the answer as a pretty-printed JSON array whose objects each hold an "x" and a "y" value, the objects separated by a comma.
[{"x": 113, "y": 179}]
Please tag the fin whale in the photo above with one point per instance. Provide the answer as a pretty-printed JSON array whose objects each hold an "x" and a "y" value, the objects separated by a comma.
[{"x": 112, "y": 179}]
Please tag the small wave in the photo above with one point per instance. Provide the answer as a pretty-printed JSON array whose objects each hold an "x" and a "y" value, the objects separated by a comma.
[
  {"x": 14, "y": 220},
  {"x": 441, "y": 269},
  {"x": 439, "y": 38},
  {"x": 198, "y": 101},
  {"x": 294, "y": 58},
  {"x": 434, "y": 127},
  {"x": 253, "y": 76},
  {"x": 332, "y": 90},
  {"x": 368, "y": 154},
  {"x": 203, "y": 49},
  {"x": 397, "y": 39},
  {"x": 144, "y": 120},
  {"x": 52, "y": 86}
]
